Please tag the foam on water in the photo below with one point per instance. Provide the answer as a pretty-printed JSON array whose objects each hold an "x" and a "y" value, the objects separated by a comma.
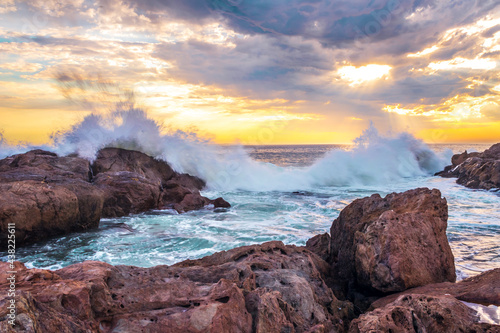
[
  {"x": 264, "y": 205},
  {"x": 373, "y": 159}
]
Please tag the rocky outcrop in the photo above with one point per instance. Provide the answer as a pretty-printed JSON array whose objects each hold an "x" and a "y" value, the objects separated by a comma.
[
  {"x": 133, "y": 182},
  {"x": 421, "y": 313},
  {"x": 45, "y": 195},
  {"x": 481, "y": 289},
  {"x": 273, "y": 287},
  {"x": 262, "y": 288},
  {"x": 385, "y": 245},
  {"x": 476, "y": 170},
  {"x": 435, "y": 307}
]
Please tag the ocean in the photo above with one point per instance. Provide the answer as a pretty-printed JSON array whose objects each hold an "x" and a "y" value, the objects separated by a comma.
[{"x": 285, "y": 193}]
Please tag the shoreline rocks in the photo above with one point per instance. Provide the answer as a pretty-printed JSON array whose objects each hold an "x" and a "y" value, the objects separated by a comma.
[
  {"x": 261, "y": 288},
  {"x": 46, "y": 195},
  {"x": 391, "y": 244},
  {"x": 274, "y": 288},
  {"x": 476, "y": 170}
]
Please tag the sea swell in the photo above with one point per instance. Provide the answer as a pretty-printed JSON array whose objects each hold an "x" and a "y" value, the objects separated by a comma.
[{"x": 373, "y": 159}]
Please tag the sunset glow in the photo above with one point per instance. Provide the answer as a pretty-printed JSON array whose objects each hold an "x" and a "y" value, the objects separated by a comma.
[{"x": 229, "y": 70}]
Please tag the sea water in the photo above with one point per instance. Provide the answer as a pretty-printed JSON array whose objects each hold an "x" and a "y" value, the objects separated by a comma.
[{"x": 285, "y": 193}]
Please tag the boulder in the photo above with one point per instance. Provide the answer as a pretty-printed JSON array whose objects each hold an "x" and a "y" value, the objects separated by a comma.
[
  {"x": 261, "y": 288},
  {"x": 476, "y": 170},
  {"x": 422, "y": 313},
  {"x": 44, "y": 195},
  {"x": 386, "y": 245},
  {"x": 110, "y": 160},
  {"x": 133, "y": 182}
]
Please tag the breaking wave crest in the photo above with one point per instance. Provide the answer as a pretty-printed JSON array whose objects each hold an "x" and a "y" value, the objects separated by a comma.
[{"x": 374, "y": 158}]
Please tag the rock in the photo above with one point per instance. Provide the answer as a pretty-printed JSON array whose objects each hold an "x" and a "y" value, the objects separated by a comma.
[
  {"x": 476, "y": 170},
  {"x": 493, "y": 152},
  {"x": 385, "y": 245},
  {"x": 320, "y": 244},
  {"x": 133, "y": 182},
  {"x": 481, "y": 289},
  {"x": 221, "y": 203},
  {"x": 261, "y": 288},
  {"x": 110, "y": 160},
  {"x": 40, "y": 165},
  {"x": 421, "y": 313},
  {"x": 46, "y": 195},
  {"x": 460, "y": 158}
]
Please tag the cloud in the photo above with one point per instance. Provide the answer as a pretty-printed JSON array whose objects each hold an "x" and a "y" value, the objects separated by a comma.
[
  {"x": 308, "y": 52},
  {"x": 21, "y": 66},
  {"x": 7, "y": 6}
]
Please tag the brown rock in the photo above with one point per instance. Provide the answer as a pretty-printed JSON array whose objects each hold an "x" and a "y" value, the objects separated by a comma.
[
  {"x": 119, "y": 160},
  {"x": 460, "y": 158},
  {"x": 476, "y": 170},
  {"x": 45, "y": 196},
  {"x": 221, "y": 203},
  {"x": 40, "y": 165},
  {"x": 493, "y": 152},
  {"x": 394, "y": 243},
  {"x": 421, "y": 313},
  {"x": 481, "y": 289},
  {"x": 127, "y": 193},
  {"x": 134, "y": 182},
  {"x": 320, "y": 244},
  {"x": 262, "y": 288}
]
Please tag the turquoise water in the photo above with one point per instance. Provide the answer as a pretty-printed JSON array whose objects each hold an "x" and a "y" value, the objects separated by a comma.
[{"x": 165, "y": 237}]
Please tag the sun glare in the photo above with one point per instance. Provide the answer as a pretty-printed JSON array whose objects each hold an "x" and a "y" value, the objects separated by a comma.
[{"x": 358, "y": 75}]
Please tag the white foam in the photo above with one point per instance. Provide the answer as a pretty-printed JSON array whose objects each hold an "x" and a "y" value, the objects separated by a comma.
[{"x": 374, "y": 159}]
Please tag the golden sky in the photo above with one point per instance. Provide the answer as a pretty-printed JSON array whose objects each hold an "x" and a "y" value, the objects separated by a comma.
[{"x": 257, "y": 72}]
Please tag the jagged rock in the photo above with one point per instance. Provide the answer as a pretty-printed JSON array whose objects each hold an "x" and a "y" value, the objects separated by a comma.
[
  {"x": 320, "y": 244},
  {"x": 422, "y": 313},
  {"x": 134, "y": 182},
  {"x": 482, "y": 289},
  {"x": 119, "y": 160},
  {"x": 261, "y": 288},
  {"x": 273, "y": 287},
  {"x": 45, "y": 195},
  {"x": 394, "y": 243},
  {"x": 476, "y": 170}
]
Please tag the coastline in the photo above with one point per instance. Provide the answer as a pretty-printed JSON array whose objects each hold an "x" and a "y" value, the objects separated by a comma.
[{"x": 332, "y": 284}]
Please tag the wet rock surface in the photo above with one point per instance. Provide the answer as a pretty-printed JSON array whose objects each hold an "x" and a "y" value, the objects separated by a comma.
[
  {"x": 46, "y": 195},
  {"x": 476, "y": 170}
]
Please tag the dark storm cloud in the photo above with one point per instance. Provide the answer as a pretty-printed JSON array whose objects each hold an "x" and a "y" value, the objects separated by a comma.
[
  {"x": 289, "y": 48},
  {"x": 333, "y": 23}
]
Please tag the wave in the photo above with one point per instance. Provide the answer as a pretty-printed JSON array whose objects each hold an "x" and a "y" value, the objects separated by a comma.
[{"x": 374, "y": 158}]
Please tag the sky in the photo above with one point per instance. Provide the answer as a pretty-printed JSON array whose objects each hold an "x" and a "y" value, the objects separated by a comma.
[{"x": 255, "y": 71}]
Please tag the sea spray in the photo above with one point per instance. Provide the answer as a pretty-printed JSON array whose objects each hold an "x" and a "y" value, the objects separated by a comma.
[{"x": 373, "y": 159}]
